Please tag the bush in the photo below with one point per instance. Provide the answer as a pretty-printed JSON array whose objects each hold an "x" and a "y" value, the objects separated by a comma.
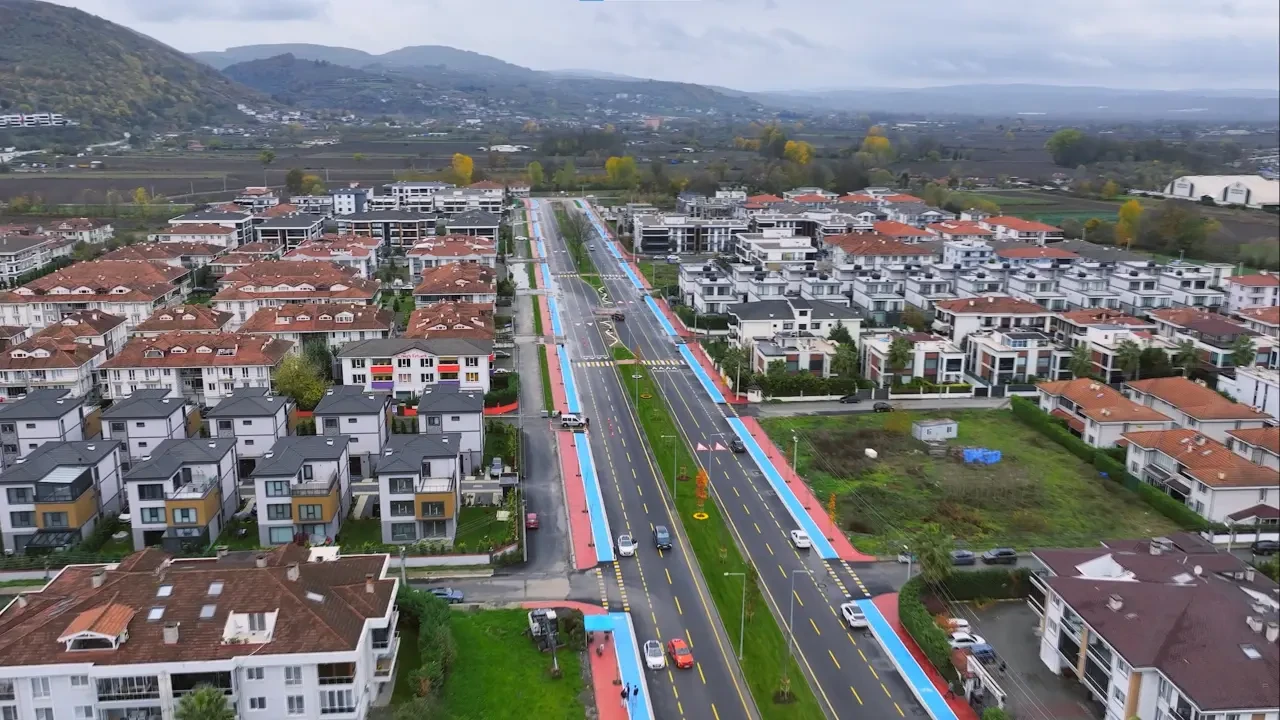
[
  {"x": 1170, "y": 508},
  {"x": 436, "y": 645},
  {"x": 994, "y": 713},
  {"x": 503, "y": 395},
  {"x": 704, "y": 322},
  {"x": 994, "y": 584},
  {"x": 917, "y": 621}
]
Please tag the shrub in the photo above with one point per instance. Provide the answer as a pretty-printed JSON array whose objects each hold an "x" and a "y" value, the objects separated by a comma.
[
  {"x": 919, "y": 623},
  {"x": 994, "y": 713}
]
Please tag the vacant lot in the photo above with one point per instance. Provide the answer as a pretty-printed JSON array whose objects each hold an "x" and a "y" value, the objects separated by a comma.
[{"x": 1037, "y": 495}]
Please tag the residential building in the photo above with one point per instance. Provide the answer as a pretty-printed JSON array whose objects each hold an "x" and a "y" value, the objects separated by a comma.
[
  {"x": 966, "y": 253},
  {"x": 798, "y": 351},
  {"x": 188, "y": 255},
  {"x": 457, "y": 282},
  {"x": 473, "y": 321},
  {"x": 218, "y": 236},
  {"x": 1097, "y": 413},
  {"x": 11, "y": 335},
  {"x": 303, "y": 487},
  {"x": 1259, "y": 388},
  {"x": 1262, "y": 320},
  {"x": 1139, "y": 291},
  {"x": 358, "y": 253},
  {"x": 1200, "y": 472},
  {"x": 241, "y": 222},
  {"x": 1003, "y": 357},
  {"x": 1039, "y": 256},
  {"x": 876, "y": 292},
  {"x": 660, "y": 234},
  {"x": 958, "y": 318},
  {"x": 406, "y": 367},
  {"x": 979, "y": 283},
  {"x": 902, "y": 232},
  {"x": 57, "y": 494},
  {"x": 456, "y": 201},
  {"x": 1150, "y": 637},
  {"x": 1260, "y": 446},
  {"x": 292, "y": 632},
  {"x": 1194, "y": 406},
  {"x": 1038, "y": 287},
  {"x": 204, "y": 368},
  {"x": 775, "y": 249},
  {"x": 925, "y": 288},
  {"x": 50, "y": 362},
  {"x": 289, "y": 231},
  {"x": 418, "y": 488},
  {"x": 448, "y": 410},
  {"x": 394, "y": 228},
  {"x": 21, "y": 254},
  {"x": 1028, "y": 231},
  {"x": 706, "y": 288},
  {"x": 961, "y": 230},
  {"x": 1252, "y": 291},
  {"x": 933, "y": 358},
  {"x": 187, "y": 318},
  {"x": 449, "y": 249},
  {"x": 330, "y": 324},
  {"x": 416, "y": 195},
  {"x": 362, "y": 418},
  {"x": 750, "y": 322},
  {"x": 1191, "y": 286},
  {"x": 350, "y": 200},
  {"x": 255, "y": 199},
  {"x": 1251, "y": 191},
  {"x": 143, "y": 420},
  {"x": 915, "y": 213},
  {"x": 1106, "y": 341},
  {"x": 183, "y": 493},
  {"x": 866, "y": 252},
  {"x": 1088, "y": 290},
  {"x": 255, "y": 418},
  {"x": 90, "y": 327},
  {"x": 85, "y": 230},
  {"x": 1214, "y": 336},
  {"x": 43, "y": 416},
  {"x": 475, "y": 223},
  {"x": 273, "y": 284},
  {"x": 313, "y": 204},
  {"x": 128, "y": 289}
]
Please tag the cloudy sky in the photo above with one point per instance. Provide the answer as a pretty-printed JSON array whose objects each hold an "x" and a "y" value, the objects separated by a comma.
[{"x": 774, "y": 44}]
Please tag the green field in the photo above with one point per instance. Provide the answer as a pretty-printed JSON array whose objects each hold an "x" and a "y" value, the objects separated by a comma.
[
  {"x": 1037, "y": 495},
  {"x": 1008, "y": 200},
  {"x": 660, "y": 273},
  {"x": 548, "y": 400}
]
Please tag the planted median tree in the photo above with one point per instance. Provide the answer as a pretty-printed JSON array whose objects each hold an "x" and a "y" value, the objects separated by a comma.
[{"x": 700, "y": 489}]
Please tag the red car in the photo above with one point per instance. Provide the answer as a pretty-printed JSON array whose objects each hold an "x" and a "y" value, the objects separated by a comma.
[
  {"x": 531, "y": 521},
  {"x": 680, "y": 653}
]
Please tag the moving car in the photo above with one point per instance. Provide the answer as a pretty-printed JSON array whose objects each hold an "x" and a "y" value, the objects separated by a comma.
[
  {"x": 495, "y": 467},
  {"x": 1264, "y": 547},
  {"x": 853, "y": 615},
  {"x": 449, "y": 595},
  {"x": 963, "y": 639},
  {"x": 1000, "y": 556},
  {"x": 801, "y": 540},
  {"x": 882, "y": 407},
  {"x": 680, "y": 653},
  {"x": 626, "y": 546},
  {"x": 963, "y": 557},
  {"x": 501, "y": 354},
  {"x": 661, "y": 537},
  {"x": 673, "y": 259},
  {"x": 850, "y": 399},
  {"x": 573, "y": 421},
  {"x": 654, "y": 658},
  {"x": 592, "y": 246},
  {"x": 618, "y": 317},
  {"x": 531, "y": 521},
  {"x": 737, "y": 446}
]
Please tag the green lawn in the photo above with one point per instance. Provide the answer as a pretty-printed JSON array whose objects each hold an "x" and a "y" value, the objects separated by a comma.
[
  {"x": 119, "y": 547},
  {"x": 765, "y": 649},
  {"x": 621, "y": 352},
  {"x": 500, "y": 675},
  {"x": 407, "y": 660},
  {"x": 548, "y": 400},
  {"x": 231, "y": 535},
  {"x": 660, "y": 272},
  {"x": 537, "y": 315},
  {"x": 359, "y": 531},
  {"x": 478, "y": 526},
  {"x": 501, "y": 439},
  {"x": 22, "y": 583},
  {"x": 1037, "y": 495},
  {"x": 1007, "y": 200}
]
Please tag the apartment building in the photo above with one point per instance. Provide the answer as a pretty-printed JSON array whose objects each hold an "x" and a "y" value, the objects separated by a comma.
[
  {"x": 446, "y": 409},
  {"x": 1259, "y": 388},
  {"x": 351, "y": 200},
  {"x": 219, "y": 236},
  {"x": 473, "y": 321},
  {"x": 706, "y": 288},
  {"x": 1038, "y": 287},
  {"x": 1105, "y": 341},
  {"x": 203, "y": 368},
  {"x": 1252, "y": 291},
  {"x": 256, "y": 199},
  {"x": 125, "y": 288},
  {"x": 1097, "y": 413},
  {"x": 415, "y": 195},
  {"x": 43, "y": 416},
  {"x": 1191, "y": 286},
  {"x": 183, "y": 493},
  {"x": 303, "y": 487},
  {"x": 1038, "y": 256},
  {"x": 660, "y": 234},
  {"x": 350, "y": 251},
  {"x": 966, "y": 253},
  {"x": 925, "y": 288},
  {"x": 876, "y": 292},
  {"x": 1139, "y": 291},
  {"x": 475, "y": 223},
  {"x": 21, "y": 254},
  {"x": 90, "y": 327},
  {"x": 57, "y": 494},
  {"x": 866, "y": 252},
  {"x": 456, "y": 201},
  {"x": 775, "y": 249},
  {"x": 418, "y": 488},
  {"x": 449, "y": 249},
  {"x": 289, "y": 231},
  {"x": 1200, "y": 472},
  {"x": 1260, "y": 446},
  {"x": 1262, "y": 320},
  {"x": 1194, "y": 406},
  {"x": 50, "y": 362},
  {"x": 394, "y": 228},
  {"x": 406, "y": 367},
  {"x": 750, "y": 322},
  {"x": 85, "y": 230},
  {"x": 902, "y": 232},
  {"x": 958, "y": 318},
  {"x": 933, "y": 358},
  {"x": 960, "y": 230},
  {"x": 188, "y": 255},
  {"x": 331, "y": 324},
  {"x": 457, "y": 282},
  {"x": 978, "y": 282},
  {"x": 1028, "y": 231},
  {"x": 143, "y": 420},
  {"x": 813, "y": 223},
  {"x": 255, "y": 418},
  {"x": 362, "y": 416},
  {"x": 1214, "y": 336},
  {"x": 185, "y": 318},
  {"x": 241, "y": 222},
  {"x": 1002, "y": 357},
  {"x": 1087, "y": 290},
  {"x": 321, "y": 205},
  {"x": 1118, "y": 620},
  {"x": 274, "y": 284}
]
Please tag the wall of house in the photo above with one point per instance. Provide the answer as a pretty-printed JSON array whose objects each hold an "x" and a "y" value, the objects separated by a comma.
[{"x": 143, "y": 436}]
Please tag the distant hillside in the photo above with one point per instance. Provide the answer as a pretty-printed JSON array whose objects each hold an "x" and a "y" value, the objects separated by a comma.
[
  {"x": 58, "y": 59},
  {"x": 318, "y": 85},
  {"x": 416, "y": 56}
]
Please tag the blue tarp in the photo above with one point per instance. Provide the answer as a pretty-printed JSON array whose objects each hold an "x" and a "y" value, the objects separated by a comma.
[{"x": 981, "y": 456}]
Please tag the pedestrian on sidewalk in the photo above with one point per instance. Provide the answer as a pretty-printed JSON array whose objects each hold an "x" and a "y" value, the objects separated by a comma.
[{"x": 624, "y": 697}]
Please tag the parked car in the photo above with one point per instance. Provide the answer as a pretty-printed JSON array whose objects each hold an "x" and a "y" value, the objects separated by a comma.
[
  {"x": 963, "y": 557},
  {"x": 1000, "y": 556},
  {"x": 531, "y": 521},
  {"x": 661, "y": 537},
  {"x": 654, "y": 658},
  {"x": 957, "y": 624},
  {"x": 853, "y": 615},
  {"x": 850, "y": 399},
  {"x": 882, "y": 407},
  {"x": 680, "y": 653},
  {"x": 501, "y": 354},
  {"x": 737, "y": 446},
  {"x": 626, "y": 546},
  {"x": 501, "y": 371},
  {"x": 1264, "y": 547},
  {"x": 495, "y": 467},
  {"x": 449, "y": 595},
  {"x": 962, "y": 639},
  {"x": 573, "y": 421},
  {"x": 801, "y": 540}
]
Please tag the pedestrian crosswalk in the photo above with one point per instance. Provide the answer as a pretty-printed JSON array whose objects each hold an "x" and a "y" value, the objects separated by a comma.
[{"x": 602, "y": 362}]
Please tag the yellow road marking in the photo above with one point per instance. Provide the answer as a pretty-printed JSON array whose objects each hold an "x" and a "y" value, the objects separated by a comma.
[
  {"x": 856, "y": 696},
  {"x": 716, "y": 712},
  {"x": 886, "y": 690},
  {"x": 815, "y": 626},
  {"x": 874, "y": 674},
  {"x": 668, "y": 575},
  {"x": 864, "y": 657},
  {"x": 833, "y": 659},
  {"x": 757, "y": 526},
  {"x": 797, "y": 594},
  {"x": 678, "y": 608},
  {"x": 770, "y": 549},
  {"x": 895, "y": 705}
]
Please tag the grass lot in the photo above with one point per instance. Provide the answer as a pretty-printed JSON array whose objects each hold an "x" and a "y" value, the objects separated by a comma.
[
  {"x": 537, "y": 315},
  {"x": 359, "y": 531},
  {"x": 1008, "y": 200},
  {"x": 120, "y": 547},
  {"x": 548, "y": 400},
  {"x": 407, "y": 660},
  {"x": 478, "y": 526},
  {"x": 593, "y": 280},
  {"x": 620, "y": 352},
  {"x": 500, "y": 675},
  {"x": 765, "y": 647},
  {"x": 501, "y": 439},
  {"x": 660, "y": 273},
  {"x": 1038, "y": 495},
  {"x": 22, "y": 583},
  {"x": 233, "y": 540}
]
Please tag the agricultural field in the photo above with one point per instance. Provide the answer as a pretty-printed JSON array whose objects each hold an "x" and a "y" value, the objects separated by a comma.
[{"x": 1037, "y": 495}]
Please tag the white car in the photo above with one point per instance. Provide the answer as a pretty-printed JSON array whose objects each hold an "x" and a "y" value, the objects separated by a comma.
[
  {"x": 801, "y": 540},
  {"x": 853, "y": 615},
  {"x": 654, "y": 658},
  {"x": 626, "y": 546},
  {"x": 961, "y": 639},
  {"x": 958, "y": 624}
]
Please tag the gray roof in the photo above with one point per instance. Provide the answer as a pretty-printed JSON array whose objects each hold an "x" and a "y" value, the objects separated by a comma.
[
  {"x": 212, "y": 216},
  {"x": 785, "y": 309},
  {"x": 474, "y": 218},
  {"x": 40, "y": 405},
  {"x": 384, "y": 216},
  {"x": 249, "y": 402},
  {"x": 169, "y": 456},
  {"x": 1092, "y": 251},
  {"x": 298, "y": 220},
  {"x": 144, "y": 404},
  {"x": 52, "y": 455},
  {"x": 290, "y": 453},
  {"x": 19, "y": 243},
  {"x": 448, "y": 398},
  {"x": 352, "y": 400},
  {"x": 386, "y": 347},
  {"x": 405, "y": 453}
]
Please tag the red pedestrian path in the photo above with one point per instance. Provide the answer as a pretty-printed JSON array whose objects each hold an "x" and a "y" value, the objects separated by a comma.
[
  {"x": 816, "y": 508},
  {"x": 570, "y": 474},
  {"x": 888, "y": 606},
  {"x": 605, "y": 679},
  {"x": 714, "y": 374}
]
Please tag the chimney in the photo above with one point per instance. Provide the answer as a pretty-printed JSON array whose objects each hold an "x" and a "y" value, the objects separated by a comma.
[
  {"x": 292, "y": 573},
  {"x": 171, "y": 633},
  {"x": 1155, "y": 548},
  {"x": 1255, "y": 623},
  {"x": 260, "y": 561},
  {"x": 368, "y": 583},
  {"x": 99, "y": 577},
  {"x": 222, "y": 550},
  {"x": 1115, "y": 602},
  {"x": 1273, "y": 631},
  {"x": 22, "y": 600},
  {"x": 1249, "y": 573}
]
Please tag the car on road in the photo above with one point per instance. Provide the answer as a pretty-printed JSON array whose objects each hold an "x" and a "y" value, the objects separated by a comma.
[
  {"x": 962, "y": 639},
  {"x": 501, "y": 354},
  {"x": 661, "y": 537},
  {"x": 573, "y": 421},
  {"x": 680, "y": 653},
  {"x": 654, "y": 658},
  {"x": 853, "y": 615},
  {"x": 850, "y": 400},
  {"x": 520, "y": 238},
  {"x": 983, "y": 652},
  {"x": 449, "y": 595},
  {"x": 531, "y": 521},
  {"x": 592, "y": 246},
  {"x": 963, "y": 557},
  {"x": 501, "y": 371},
  {"x": 801, "y": 540},
  {"x": 619, "y": 317},
  {"x": 673, "y": 259},
  {"x": 626, "y": 546},
  {"x": 737, "y": 446},
  {"x": 495, "y": 467},
  {"x": 1000, "y": 556},
  {"x": 882, "y": 407},
  {"x": 1264, "y": 547}
]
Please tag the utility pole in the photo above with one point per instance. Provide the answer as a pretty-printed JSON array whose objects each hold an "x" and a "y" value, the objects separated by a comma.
[
  {"x": 675, "y": 480},
  {"x": 742, "y": 620}
]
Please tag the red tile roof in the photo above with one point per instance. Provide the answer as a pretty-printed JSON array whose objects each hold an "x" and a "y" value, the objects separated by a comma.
[
  {"x": 456, "y": 278},
  {"x": 1101, "y": 403},
  {"x": 109, "y": 619},
  {"x": 1260, "y": 280},
  {"x": 1205, "y": 459},
  {"x": 764, "y": 199},
  {"x": 1102, "y": 316},
  {"x": 265, "y": 248},
  {"x": 281, "y": 210},
  {"x": 991, "y": 305},
  {"x": 893, "y": 228},
  {"x": 810, "y": 198},
  {"x": 959, "y": 228},
  {"x": 1195, "y": 399},
  {"x": 88, "y": 323},
  {"x": 317, "y": 318},
  {"x": 1267, "y": 438},
  {"x": 142, "y": 281},
  {"x": 871, "y": 245},
  {"x": 900, "y": 198},
  {"x": 164, "y": 251},
  {"x": 856, "y": 198},
  {"x": 1020, "y": 225},
  {"x": 452, "y": 320},
  {"x": 184, "y": 349},
  {"x": 193, "y": 318},
  {"x": 195, "y": 229},
  {"x": 1265, "y": 315},
  {"x": 46, "y": 351},
  {"x": 1036, "y": 253},
  {"x": 454, "y": 246}
]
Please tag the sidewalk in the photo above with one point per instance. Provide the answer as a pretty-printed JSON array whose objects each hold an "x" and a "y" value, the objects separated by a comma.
[
  {"x": 571, "y": 474},
  {"x": 705, "y": 361},
  {"x": 888, "y": 606}
]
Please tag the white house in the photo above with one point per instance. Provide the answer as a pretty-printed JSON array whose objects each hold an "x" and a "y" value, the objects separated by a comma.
[
  {"x": 449, "y": 410},
  {"x": 1251, "y": 291},
  {"x": 53, "y": 499},
  {"x": 408, "y": 366},
  {"x": 144, "y": 420},
  {"x": 131, "y": 289},
  {"x": 1097, "y": 413},
  {"x": 962, "y": 316},
  {"x": 1260, "y": 446},
  {"x": 204, "y": 368},
  {"x": 183, "y": 493},
  {"x": 749, "y": 322},
  {"x": 933, "y": 358},
  {"x": 1030, "y": 231},
  {"x": 303, "y": 487},
  {"x": 331, "y": 324},
  {"x": 242, "y": 223},
  {"x": 360, "y": 416},
  {"x": 1259, "y": 388},
  {"x": 256, "y": 418},
  {"x": 418, "y": 488},
  {"x": 1200, "y": 472},
  {"x": 1194, "y": 406},
  {"x": 457, "y": 282},
  {"x": 42, "y": 416}
]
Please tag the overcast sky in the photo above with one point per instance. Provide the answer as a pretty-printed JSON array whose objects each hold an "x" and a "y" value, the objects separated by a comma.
[{"x": 774, "y": 44}]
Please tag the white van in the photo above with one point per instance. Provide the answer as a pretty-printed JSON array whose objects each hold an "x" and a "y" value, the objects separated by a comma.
[{"x": 572, "y": 421}]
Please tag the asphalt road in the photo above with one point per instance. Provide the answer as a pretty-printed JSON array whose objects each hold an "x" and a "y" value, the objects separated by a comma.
[
  {"x": 662, "y": 591},
  {"x": 850, "y": 674}
]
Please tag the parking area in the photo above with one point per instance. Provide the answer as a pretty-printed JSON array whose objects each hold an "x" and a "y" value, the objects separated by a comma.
[{"x": 1034, "y": 693}]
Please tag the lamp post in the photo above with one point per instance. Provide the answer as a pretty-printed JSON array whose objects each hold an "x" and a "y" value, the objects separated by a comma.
[
  {"x": 675, "y": 480},
  {"x": 742, "y": 620},
  {"x": 791, "y": 612},
  {"x": 907, "y": 551},
  {"x": 710, "y": 447},
  {"x": 795, "y": 453}
]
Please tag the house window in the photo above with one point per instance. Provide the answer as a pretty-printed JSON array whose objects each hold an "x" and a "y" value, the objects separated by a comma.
[
  {"x": 359, "y": 379},
  {"x": 433, "y": 420},
  {"x": 22, "y": 519},
  {"x": 293, "y": 675},
  {"x": 473, "y": 362},
  {"x": 402, "y": 508},
  {"x": 79, "y": 681},
  {"x": 279, "y": 511},
  {"x": 254, "y": 673},
  {"x": 184, "y": 516},
  {"x": 153, "y": 516},
  {"x": 257, "y": 703},
  {"x": 56, "y": 520},
  {"x": 473, "y": 377},
  {"x": 310, "y": 512},
  {"x": 21, "y": 496},
  {"x": 295, "y": 705},
  {"x": 432, "y": 509},
  {"x": 280, "y": 535},
  {"x": 258, "y": 622},
  {"x": 401, "y": 486},
  {"x": 308, "y": 473},
  {"x": 403, "y": 532},
  {"x": 403, "y": 362},
  {"x": 40, "y": 688},
  {"x": 277, "y": 488}
]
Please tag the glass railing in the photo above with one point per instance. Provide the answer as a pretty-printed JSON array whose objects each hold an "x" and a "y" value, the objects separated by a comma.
[{"x": 315, "y": 488}]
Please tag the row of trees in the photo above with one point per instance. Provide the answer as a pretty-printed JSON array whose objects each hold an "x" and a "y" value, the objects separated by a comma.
[
  {"x": 1137, "y": 362},
  {"x": 1071, "y": 148},
  {"x": 1174, "y": 227}
]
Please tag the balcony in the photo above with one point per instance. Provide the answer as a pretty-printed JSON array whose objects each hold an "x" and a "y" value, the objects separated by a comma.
[
  {"x": 197, "y": 488},
  {"x": 316, "y": 488},
  {"x": 128, "y": 688},
  {"x": 385, "y": 665},
  {"x": 186, "y": 683},
  {"x": 336, "y": 673}
]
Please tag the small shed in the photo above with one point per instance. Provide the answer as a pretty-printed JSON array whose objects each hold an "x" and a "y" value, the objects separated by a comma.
[
  {"x": 481, "y": 491},
  {"x": 937, "y": 430}
]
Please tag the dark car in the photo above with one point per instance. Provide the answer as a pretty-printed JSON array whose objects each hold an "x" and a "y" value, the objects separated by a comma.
[
  {"x": 737, "y": 446},
  {"x": 963, "y": 557},
  {"x": 850, "y": 399},
  {"x": 1265, "y": 547},
  {"x": 1000, "y": 556},
  {"x": 449, "y": 595},
  {"x": 882, "y": 407},
  {"x": 618, "y": 317},
  {"x": 661, "y": 537}
]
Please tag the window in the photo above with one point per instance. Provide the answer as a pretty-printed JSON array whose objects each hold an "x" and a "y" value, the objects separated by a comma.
[
  {"x": 31, "y": 426},
  {"x": 56, "y": 520},
  {"x": 403, "y": 532},
  {"x": 44, "y": 713},
  {"x": 22, "y": 519},
  {"x": 310, "y": 512},
  {"x": 79, "y": 681},
  {"x": 184, "y": 516},
  {"x": 473, "y": 377},
  {"x": 280, "y": 535},
  {"x": 40, "y": 688},
  {"x": 21, "y": 496},
  {"x": 351, "y": 420},
  {"x": 207, "y": 611},
  {"x": 279, "y": 511},
  {"x": 337, "y": 701},
  {"x": 359, "y": 379},
  {"x": 257, "y": 703},
  {"x": 296, "y": 706},
  {"x": 155, "y": 613},
  {"x": 84, "y": 712},
  {"x": 403, "y": 362},
  {"x": 164, "y": 591},
  {"x": 255, "y": 673},
  {"x": 277, "y": 488},
  {"x": 433, "y": 420},
  {"x": 293, "y": 675},
  {"x": 473, "y": 362},
  {"x": 258, "y": 623},
  {"x": 308, "y": 473},
  {"x": 432, "y": 509},
  {"x": 151, "y": 492}
]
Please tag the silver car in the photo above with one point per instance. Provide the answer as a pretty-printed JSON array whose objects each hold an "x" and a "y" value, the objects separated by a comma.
[
  {"x": 626, "y": 546},
  {"x": 654, "y": 658}
]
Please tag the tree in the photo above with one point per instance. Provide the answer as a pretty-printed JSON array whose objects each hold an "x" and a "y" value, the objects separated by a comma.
[
  {"x": 566, "y": 177},
  {"x": 845, "y": 362},
  {"x": 421, "y": 707},
  {"x": 1067, "y": 147},
  {"x": 992, "y": 713},
  {"x": 266, "y": 157},
  {"x": 1186, "y": 356},
  {"x": 312, "y": 185},
  {"x": 901, "y": 351},
  {"x": 877, "y": 146},
  {"x": 140, "y": 197},
  {"x": 1081, "y": 363},
  {"x": 1129, "y": 357},
  {"x": 914, "y": 319},
  {"x": 536, "y": 175},
  {"x": 840, "y": 334},
  {"x": 932, "y": 547},
  {"x": 293, "y": 181},
  {"x": 1155, "y": 363},
  {"x": 734, "y": 362},
  {"x": 1128, "y": 222},
  {"x": 700, "y": 488},
  {"x": 358, "y": 157},
  {"x": 798, "y": 152},
  {"x": 621, "y": 172},
  {"x": 463, "y": 168},
  {"x": 1110, "y": 189},
  {"x": 320, "y": 357},
  {"x": 204, "y": 703},
  {"x": 301, "y": 380},
  {"x": 1243, "y": 353}
]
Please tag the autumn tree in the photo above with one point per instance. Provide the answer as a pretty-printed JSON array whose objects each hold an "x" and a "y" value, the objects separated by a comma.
[
  {"x": 312, "y": 185},
  {"x": 536, "y": 174},
  {"x": 798, "y": 152},
  {"x": 293, "y": 181},
  {"x": 266, "y": 157},
  {"x": 831, "y": 508},
  {"x": 1110, "y": 189},
  {"x": 463, "y": 168},
  {"x": 876, "y": 145},
  {"x": 621, "y": 171},
  {"x": 358, "y": 157},
  {"x": 700, "y": 488},
  {"x": 300, "y": 380},
  {"x": 1128, "y": 222}
]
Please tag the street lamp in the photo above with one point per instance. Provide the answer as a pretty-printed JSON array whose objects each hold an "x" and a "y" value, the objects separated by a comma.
[
  {"x": 742, "y": 620},
  {"x": 795, "y": 453},
  {"x": 675, "y": 481},
  {"x": 907, "y": 551},
  {"x": 710, "y": 447},
  {"x": 791, "y": 612}
]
